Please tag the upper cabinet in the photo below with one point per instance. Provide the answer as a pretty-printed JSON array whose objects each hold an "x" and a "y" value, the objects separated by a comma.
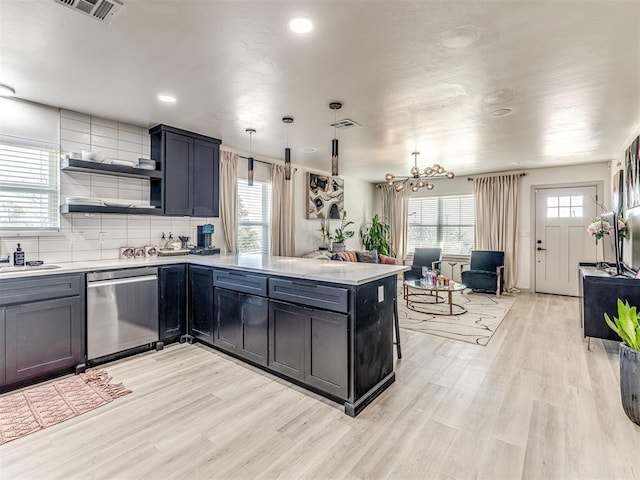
[{"x": 190, "y": 164}]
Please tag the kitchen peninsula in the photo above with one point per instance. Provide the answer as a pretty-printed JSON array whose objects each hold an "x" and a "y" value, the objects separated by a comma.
[{"x": 326, "y": 326}]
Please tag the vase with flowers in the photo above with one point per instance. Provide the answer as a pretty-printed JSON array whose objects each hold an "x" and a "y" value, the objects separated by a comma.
[{"x": 603, "y": 225}]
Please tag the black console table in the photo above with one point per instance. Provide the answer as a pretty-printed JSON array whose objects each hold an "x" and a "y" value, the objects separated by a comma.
[{"x": 600, "y": 292}]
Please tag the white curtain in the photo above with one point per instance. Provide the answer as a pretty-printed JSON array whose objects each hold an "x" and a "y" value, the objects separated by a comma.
[
  {"x": 282, "y": 213},
  {"x": 228, "y": 194},
  {"x": 496, "y": 200},
  {"x": 395, "y": 211}
]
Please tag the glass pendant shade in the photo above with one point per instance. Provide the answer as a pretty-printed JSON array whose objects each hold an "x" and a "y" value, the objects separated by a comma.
[{"x": 250, "y": 171}]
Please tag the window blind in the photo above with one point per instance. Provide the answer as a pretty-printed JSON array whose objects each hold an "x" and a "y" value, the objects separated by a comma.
[
  {"x": 254, "y": 217},
  {"x": 29, "y": 185},
  {"x": 445, "y": 222}
]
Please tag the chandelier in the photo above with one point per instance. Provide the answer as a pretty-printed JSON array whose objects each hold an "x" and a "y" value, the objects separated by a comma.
[{"x": 418, "y": 178}]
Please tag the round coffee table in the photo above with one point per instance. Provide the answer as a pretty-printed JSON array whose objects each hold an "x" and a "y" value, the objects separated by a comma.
[{"x": 430, "y": 295}]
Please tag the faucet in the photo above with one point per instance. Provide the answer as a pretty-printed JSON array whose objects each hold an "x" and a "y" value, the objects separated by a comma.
[{"x": 5, "y": 259}]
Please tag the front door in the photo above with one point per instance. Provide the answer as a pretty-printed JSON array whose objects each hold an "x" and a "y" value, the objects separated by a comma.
[{"x": 561, "y": 239}]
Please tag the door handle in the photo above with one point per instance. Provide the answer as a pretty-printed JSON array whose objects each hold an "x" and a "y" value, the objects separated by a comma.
[{"x": 540, "y": 249}]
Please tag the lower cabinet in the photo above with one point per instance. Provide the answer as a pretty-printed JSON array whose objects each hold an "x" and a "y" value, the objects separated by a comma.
[
  {"x": 201, "y": 303},
  {"x": 172, "y": 309},
  {"x": 311, "y": 346},
  {"x": 43, "y": 337},
  {"x": 241, "y": 324}
]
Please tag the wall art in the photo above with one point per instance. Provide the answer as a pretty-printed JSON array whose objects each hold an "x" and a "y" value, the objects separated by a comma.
[
  {"x": 325, "y": 197},
  {"x": 632, "y": 174}
]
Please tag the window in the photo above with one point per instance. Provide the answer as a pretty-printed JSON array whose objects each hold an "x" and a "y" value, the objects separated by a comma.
[
  {"x": 445, "y": 222},
  {"x": 29, "y": 186},
  {"x": 565, "y": 206},
  {"x": 254, "y": 217}
]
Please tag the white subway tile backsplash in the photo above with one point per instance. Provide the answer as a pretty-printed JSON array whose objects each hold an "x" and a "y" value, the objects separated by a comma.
[
  {"x": 99, "y": 143},
  {"x": 55, "y": 257},
  {"x": 104, "y": 192},
  {"x": 75, "y": 136},
  {"x": 85, "y": 255},
  {"x": 53, "y": 244},
  {"x": 138, "y": 236},
  {"x": 106, "y": 181},
  {"x": 130, "y": 147},
  {"x": 69, "y": 190},
  {"x": 75, "y": 178},
  {"x": 131, "y": 128},
  {"x": 77, "y": 125},
  {"x": 126, "y": 136},
  {"x": 146, "y": 151},
  {"x": 102, "y": 131},
  {"x": 132, "y": 183},
  {"x": 135, "y": 221},
  {"x": 111, "y": 153},
  {"x": 82, "y": 223},
  {"x": 68, "y": 146},
  {"x": 83, "y": 117},
  {"x": 110, "y": 254},
  {"x": 110, "y": 222},
  {"x": 29, "y": 245},
  {"x": 146, "y": 140},
  {"x": 104, "y": 122}
]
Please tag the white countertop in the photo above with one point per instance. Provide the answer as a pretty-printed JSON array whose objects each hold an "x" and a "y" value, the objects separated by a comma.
[{"x": 348, "y": 273}]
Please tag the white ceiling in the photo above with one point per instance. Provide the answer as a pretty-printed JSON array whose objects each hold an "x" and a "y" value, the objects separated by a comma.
[{"x": 424, "y": 75}]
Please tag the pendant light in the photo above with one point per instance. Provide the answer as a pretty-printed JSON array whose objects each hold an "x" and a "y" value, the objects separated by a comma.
[
  {"x": 335, "y": 106},
  {"x": 250, "y": 131},
  {"x": 287, "y": 150}
]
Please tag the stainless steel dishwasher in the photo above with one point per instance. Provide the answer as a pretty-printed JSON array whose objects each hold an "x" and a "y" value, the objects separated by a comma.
[{"x": 122, "y": 310}]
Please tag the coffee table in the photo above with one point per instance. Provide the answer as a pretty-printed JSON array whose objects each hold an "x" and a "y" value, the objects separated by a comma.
[{"x": 430, "y": 295}]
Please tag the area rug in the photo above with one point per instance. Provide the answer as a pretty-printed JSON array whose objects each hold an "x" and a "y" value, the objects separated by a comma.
[
  {"x": 40, "y": 407},
  {"x": 484, "y": 314}
]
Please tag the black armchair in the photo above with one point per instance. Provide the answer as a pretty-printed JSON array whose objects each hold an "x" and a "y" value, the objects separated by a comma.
[
  {"x": 424, "y": 257},
  {"x": 486, "y": 271}
]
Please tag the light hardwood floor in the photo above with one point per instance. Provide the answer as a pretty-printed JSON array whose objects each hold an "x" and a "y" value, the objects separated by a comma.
[{"x": 534, "y": 403}]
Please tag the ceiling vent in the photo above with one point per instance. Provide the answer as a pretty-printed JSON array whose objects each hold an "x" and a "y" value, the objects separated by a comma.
[
  {"x": 101, "y": 10},
  {"x": 345, "y": 123}
]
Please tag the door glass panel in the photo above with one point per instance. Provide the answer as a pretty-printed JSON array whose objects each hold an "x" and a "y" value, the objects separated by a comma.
[
  {"x": 552, "y": 201},
  {"x": 565, "y": 201},
  {"x": 577, "y": 212},
  {"x": 552, "y": 212},
  {"x": 576, "y": 200},
  {"x": 564, "y": 212}
]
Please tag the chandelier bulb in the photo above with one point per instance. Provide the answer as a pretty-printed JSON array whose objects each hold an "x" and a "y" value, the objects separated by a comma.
[
  {"x": 399, "y": 187},
  {"x": 415, "y": 172},
  {"x": 428, "y": 171},
  {"x": 430, "y": 186},
  {"x": 390, "y": 183},
  {"x": 414, "y": 188},
  {"x": 421, "y": 183},
  {"x": 450, "y": 175},
  {"x": 436, "y": 167},
  {"x": 388, "y": 177}
]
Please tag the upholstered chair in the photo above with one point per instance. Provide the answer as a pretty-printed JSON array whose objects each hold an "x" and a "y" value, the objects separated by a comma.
[
  {"x": 485, "y": 273},
  {"x": 423, "y": 257}
]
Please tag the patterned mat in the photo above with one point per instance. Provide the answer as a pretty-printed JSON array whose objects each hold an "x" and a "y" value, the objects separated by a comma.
[
  {"x": 40, "y": 407},
  {"x": 484, "y": 314}
]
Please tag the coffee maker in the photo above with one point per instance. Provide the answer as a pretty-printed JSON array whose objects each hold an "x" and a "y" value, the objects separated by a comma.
[{"x": 204, "y": 241}]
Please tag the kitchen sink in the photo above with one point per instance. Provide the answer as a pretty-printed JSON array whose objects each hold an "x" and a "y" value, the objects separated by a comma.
[{"x": 27, "y": 268}]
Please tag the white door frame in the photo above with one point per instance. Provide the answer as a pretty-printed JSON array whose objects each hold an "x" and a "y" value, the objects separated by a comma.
[{"x": 599, "y": 184}]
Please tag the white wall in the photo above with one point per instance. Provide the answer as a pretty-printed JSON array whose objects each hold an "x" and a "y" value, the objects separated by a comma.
[{"x": 358, "y": 203}]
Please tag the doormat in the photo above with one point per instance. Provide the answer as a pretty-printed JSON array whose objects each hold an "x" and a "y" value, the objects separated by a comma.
[
  {"x": 484, "y": 314},
  {"x": 30, "y": 410}
]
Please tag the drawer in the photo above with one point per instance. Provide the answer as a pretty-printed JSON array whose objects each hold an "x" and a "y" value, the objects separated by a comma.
[
  {"x": 240, "y": 282},
  {"x": 39, "y": 288},
  {"x": 303, "y": 293}
]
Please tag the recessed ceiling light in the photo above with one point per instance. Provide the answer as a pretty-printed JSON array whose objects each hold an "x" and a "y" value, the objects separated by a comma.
[
  {"x": 300, "y": 25},
  {"x": 309, "y": 150},
  {"x": 498, "y": 97},
  {"x": 6, "y": 90},
  {"x": 167, "y": 98},
  {"x": 501, "y": 112}
]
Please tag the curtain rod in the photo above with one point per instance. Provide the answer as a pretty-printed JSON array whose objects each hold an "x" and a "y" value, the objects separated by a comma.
[{"x": 497, "y": 175}]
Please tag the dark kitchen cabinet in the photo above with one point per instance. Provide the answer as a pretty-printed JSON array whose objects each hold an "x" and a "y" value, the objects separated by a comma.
[
  {"x": 173, "y": 302},
  {"x": 311, "y": 346},
  {"x": 42, "y": 327},
  {"x": 242, "y": 324},
  {"x": 191, "y": 164},
  {"x": 201, "y": 303}
]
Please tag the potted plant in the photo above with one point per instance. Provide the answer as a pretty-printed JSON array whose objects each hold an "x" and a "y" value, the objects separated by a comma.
[
  {"x": 377, "y": 236},
  {"x": 342, "y": 234},
  {"x": 627, "y": 326}
]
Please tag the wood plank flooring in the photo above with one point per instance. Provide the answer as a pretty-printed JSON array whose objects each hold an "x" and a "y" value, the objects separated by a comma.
[{"x": 532, "y": 404}]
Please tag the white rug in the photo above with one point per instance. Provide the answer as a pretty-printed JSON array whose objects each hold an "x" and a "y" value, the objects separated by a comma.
[{"x": 484, "y": 314}]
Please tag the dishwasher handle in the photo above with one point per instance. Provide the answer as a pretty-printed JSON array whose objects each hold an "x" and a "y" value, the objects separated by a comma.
[{"x": 121, "y": 281}]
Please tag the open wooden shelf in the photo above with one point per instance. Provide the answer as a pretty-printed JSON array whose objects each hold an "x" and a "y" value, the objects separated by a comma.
[
  {"x": 66, "y": 208},
  {"x": 72, "y": 165}
]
